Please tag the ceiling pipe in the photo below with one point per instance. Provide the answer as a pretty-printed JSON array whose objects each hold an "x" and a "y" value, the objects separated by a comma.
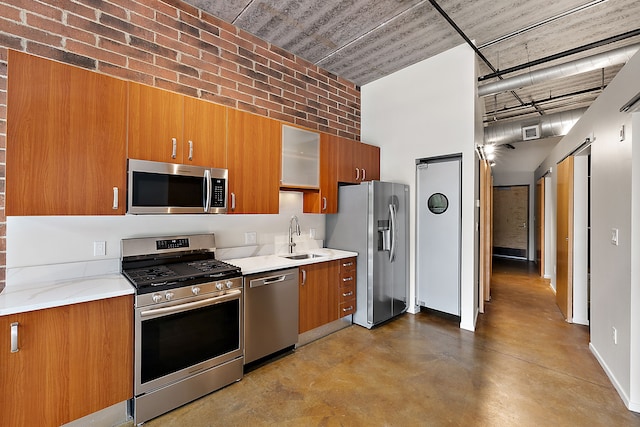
[
  {"x": 557, "y": 124},
  {"x": 602, "y": 60}
]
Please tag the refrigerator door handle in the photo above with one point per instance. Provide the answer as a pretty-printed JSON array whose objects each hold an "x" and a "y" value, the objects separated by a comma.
[{"x": 392, "y": 228}]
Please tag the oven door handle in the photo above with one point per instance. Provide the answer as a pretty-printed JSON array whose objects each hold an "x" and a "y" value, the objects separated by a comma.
[{"x": 191, "y": 305}]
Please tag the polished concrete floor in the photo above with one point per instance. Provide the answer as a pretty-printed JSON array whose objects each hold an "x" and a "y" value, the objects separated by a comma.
[{"x": 524, "y": 366}]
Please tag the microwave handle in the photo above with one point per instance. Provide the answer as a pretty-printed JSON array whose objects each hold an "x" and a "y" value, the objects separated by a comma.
[{"x": 207, "y": 186}]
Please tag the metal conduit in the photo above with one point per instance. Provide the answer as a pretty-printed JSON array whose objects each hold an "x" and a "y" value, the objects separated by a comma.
[
  {"x": 557, "y": 124},
  {"x": 602, "y": 60}
]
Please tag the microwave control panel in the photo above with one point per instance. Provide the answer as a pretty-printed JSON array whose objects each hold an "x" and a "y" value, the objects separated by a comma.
[{"x": 218, "y": 194}]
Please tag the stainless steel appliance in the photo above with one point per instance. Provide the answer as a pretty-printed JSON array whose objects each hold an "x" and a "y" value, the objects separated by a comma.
[
  {"x": 271, "y": 313},
  {"x": 188, "y": 337},
  {"x": 168, "y": 188},
  {"x": 373, "y": 220}
]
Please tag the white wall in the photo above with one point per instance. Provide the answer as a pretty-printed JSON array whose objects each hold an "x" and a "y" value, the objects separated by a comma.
[
  {"x": 37, "y": 240},
  {"x": 426, "y": 110},
  {"x": 613, "y": 292}
]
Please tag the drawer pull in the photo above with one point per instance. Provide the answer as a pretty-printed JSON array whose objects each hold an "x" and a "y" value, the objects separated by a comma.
[
  {"x": 347, "y": 264},
  {"x": 347, "y": 279},
  {"x": 174, "y": 146},
  {"x": 350, "y": 308},
  {"x": 347, "y": 294}
]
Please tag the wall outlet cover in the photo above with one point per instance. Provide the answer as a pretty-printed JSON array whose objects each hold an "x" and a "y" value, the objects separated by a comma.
[{"x": 250, "y": 238}]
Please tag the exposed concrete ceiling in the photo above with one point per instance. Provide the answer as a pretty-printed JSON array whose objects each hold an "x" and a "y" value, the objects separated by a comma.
[{"x": 364, "y": 40}]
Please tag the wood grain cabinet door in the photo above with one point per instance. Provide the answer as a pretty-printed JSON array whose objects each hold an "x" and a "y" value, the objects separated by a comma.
[
  {"x": 155, "y": 124},
  {"x": 328, "y": 174},
  {"x": 371, "y": 165},
  {"x": 205, "y": 134},
  {"x": 346, "y": 161},
  {"x": 318, "y": 295},
  {"x": 66, "y": 139},
  {"x": 253, "y": 160},
  {"x": 71, "y": 361}
]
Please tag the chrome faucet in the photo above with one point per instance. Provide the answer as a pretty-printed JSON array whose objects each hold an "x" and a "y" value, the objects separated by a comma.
[{"x": 297, "y": 231}]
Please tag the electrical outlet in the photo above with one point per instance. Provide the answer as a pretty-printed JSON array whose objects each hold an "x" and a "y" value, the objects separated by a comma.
[
  {"x": 312, "y": 233},
  {"x": 250, "y": 238},
  {"x": 99, "y": 248},
  {"x": 614, "y": 236},
  {"x": 615, "y": 335}
]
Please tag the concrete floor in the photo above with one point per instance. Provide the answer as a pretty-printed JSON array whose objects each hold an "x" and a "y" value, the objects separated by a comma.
[{"x": 524, "y": 366}]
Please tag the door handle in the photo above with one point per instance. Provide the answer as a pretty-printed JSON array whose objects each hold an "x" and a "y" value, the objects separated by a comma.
[
  {"x": 190, "y": 150},
  {"x": 357, "y": 174},
  {"x": 304, "y": 276},
  {"x": 324, "y": 203},
  {"x": 364, "y": 174},
  {"x": 174, "y": 148},
  {"x": 14, "y": 337},
  {"x": 115, "y": 197},
  {"x": 233, "y": 201}
]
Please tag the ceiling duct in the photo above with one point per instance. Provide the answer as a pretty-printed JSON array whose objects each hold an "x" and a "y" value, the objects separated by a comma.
[
  {"x": 557, "y": 124},
  {"x": 595, "y": 62}
]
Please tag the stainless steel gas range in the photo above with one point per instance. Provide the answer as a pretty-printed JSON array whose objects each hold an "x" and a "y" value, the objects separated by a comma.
[{"x": 188, "y": 335}]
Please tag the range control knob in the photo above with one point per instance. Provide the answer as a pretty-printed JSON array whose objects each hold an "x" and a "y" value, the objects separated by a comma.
[
  {"x": 195, "y": 290},
  {"x": 169, "y": 296},
  {"x": 156, "y": 297},
  {"x": 219, "y": 286},
  {"x": 229, "y": 284}
]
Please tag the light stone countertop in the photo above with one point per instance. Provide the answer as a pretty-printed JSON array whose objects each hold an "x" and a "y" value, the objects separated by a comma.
[
  {"x": 260, "y": 264},
  {"x": 36, "y": 288},
  {"x": 56, "y": 293}
]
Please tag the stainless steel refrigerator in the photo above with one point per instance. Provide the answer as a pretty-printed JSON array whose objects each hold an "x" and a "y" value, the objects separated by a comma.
[{"x": 373, "y": 220}]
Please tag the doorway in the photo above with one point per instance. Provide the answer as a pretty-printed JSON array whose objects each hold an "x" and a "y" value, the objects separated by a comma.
[
  {"x": 438, "y": 233},
  {"x": 510, "y": 221}
]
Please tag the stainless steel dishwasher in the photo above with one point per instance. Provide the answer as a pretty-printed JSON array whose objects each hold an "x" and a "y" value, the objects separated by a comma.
[{"x": 270, "y": 313}]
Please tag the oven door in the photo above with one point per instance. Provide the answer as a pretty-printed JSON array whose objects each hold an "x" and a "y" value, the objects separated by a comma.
[{"x": 178, "y": 339}]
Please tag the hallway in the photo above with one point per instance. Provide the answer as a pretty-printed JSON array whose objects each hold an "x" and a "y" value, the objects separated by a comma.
[{"x": 524, "y": 366}]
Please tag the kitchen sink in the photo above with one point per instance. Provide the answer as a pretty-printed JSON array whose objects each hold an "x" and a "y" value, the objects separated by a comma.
[{"x": 302, "y": 256}]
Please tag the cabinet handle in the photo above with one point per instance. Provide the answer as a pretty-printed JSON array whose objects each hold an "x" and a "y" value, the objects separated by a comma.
[
  {"x": 174, "y": 145},
  {"x": 190, "y": 150},
  {"x": 357, "y": 174},
  {"x": 347, "y": 294},
  {"x": 304, "y": 276},
  {"x": 233, "y": 201},
  {"x": 115, "y": 197},
  {"x": 348, "y": 308},
  {"x": 347, "y": 279},
  {"x": 14, "y": 337},
  {"x": 324, "y": 203},
  {"x": 347, "y": 264},
  {"x": 364, "y": 174}
]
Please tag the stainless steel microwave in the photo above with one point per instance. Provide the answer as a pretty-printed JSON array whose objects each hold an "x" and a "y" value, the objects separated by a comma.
[{"x": 168, "y": 188}]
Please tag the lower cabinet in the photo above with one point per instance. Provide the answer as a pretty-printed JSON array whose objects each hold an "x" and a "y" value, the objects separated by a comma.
[
  {"x": 325, "y": 295},
  {"x": 71, "y": 361}
]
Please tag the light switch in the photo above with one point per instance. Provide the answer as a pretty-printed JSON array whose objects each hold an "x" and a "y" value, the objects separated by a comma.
[{"x": 614, "y": 236}]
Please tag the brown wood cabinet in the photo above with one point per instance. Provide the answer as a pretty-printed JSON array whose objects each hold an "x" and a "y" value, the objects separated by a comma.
[
  {"x": 347, "y": 287},
  {"x": 318, "y": 295},
  {"x": 66, "y": 139},
  {"x": 169, "y": 127},
  {"x": 326, "y": 199},
  {"x": 357, "y": 162},
  {"x": 253, "y": 160},
  {"x": 327, "y": 292},
  {"x": 72, "y": 361}
]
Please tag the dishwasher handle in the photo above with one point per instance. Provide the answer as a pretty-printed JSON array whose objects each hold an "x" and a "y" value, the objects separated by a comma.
[{"x": 269, "y": 280}]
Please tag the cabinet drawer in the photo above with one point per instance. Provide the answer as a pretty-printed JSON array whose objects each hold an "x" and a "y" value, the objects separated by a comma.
[
  {"x": 347, "y": 292},
  {"x": 347, "y": 266},
  {"x": 347, "y": 307},
  {"x": 347, "y": 280}
]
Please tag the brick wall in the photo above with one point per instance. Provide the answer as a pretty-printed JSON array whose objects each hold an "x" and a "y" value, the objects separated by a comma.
[{"x": 174, "y": 46}]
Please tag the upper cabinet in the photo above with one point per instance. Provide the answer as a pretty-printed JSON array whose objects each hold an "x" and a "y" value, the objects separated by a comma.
[
  {"x": 253, "y": 160},
  {"x": 300, "y": 158},
  {"x": 169, "y": 127},
  {"x": 357, "y": 162},
  {"x": 66, "y": 139}
]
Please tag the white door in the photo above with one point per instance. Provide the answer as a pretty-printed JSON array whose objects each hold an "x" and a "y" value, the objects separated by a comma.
[{"x": 438, "y": 234}]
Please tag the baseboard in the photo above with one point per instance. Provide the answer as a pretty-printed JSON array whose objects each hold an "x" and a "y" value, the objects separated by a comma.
[{"x": 632, "y": 406}]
